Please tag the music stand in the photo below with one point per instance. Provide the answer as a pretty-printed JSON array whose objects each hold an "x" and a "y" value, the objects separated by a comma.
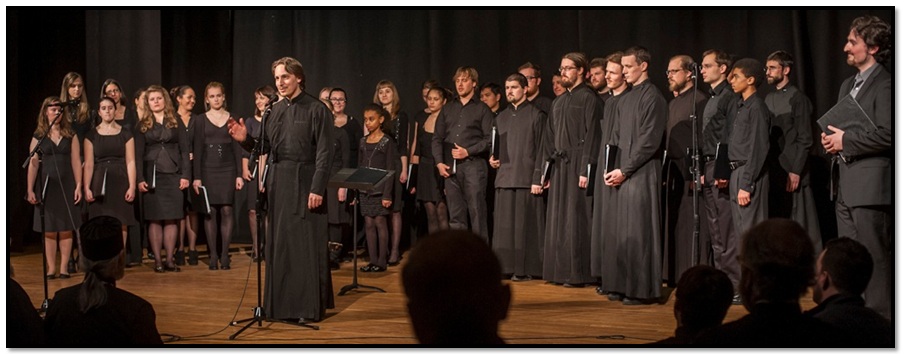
[{"x": 361, "y": 179}]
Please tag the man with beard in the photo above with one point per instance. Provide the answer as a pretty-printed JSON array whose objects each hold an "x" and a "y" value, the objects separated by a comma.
[
  {"x": 790, "y": 142},
  {"x": 603, "y": 231},
  {"x": 534, "y": 76},
  {"x": 641, "y": 117},
  {"x": 298, "y": 135},
  {"x": 716, "y": 121},
  {"x": 520, "y": 209},
  {"x": 598, "y": 78},
  {"x": 864, "y": 159},
  {"x": 461, "y": 140},
  {"x": 575, "y": 125},
  {"x": 678, "y": 239}
]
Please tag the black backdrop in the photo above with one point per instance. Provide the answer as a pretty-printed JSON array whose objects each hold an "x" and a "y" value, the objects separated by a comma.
[{"x": 354, "y": 49}]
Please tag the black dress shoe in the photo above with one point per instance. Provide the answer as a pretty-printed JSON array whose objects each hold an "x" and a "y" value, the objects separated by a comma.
[
  {"x": 193, "y": 257},
  {"x": 180, "y": 257},
  {"x": 50, "y": 276},
  {"x": 71, "y": 266},
  {"x": 615, "y": 297},
  {"x": 213, "y": 267},
  {"x": 631, "y": 301},
  {"x": 366, "y": 268},
  {"x": 173, "y": 268},
  {"x": 392, "y": 264},
  {"x": 570, "y": 285},
  {"x": 225, "y": 267},
  {"x": 159, "y": 269},
  {"x": 64, "y": 276},
  {"x": 600, "y": 291},
  {"x": 377, "y": 269},
  {"x": 736, "y": 300}
]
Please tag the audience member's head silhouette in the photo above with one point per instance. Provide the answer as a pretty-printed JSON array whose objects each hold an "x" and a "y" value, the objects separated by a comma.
[
  {"x": 101, "y": 258},
  {"x": 454, "y": 291},
  {"x": 703, "y": 296},
  {"x": 777, "y": 263},
  {"x": 844, "y": 267}
]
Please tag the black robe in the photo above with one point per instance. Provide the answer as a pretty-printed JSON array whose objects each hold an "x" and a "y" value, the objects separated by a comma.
[
  {"x": 603, "y": 229},
  {"x": 519, "y": 221},
  {"x": 298, "y": 283},
  {"x": 641, "y": 117},
  {"x": 575, "y": 127}
]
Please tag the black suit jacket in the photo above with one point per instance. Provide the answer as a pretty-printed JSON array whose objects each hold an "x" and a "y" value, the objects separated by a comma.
[
  {"x": 867, "y": 178},
  {"x": 849, "y": 314}
]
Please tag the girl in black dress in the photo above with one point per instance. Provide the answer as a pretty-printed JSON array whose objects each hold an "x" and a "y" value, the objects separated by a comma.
[
  {"x": 163, "y": 173},
  {"x": 217, "y": 167},
  {"x": 73, "y": 93},
  {"x": 254, "y": 128},
  {"x": 109, "y": 169},
  {"x": 185, "y": 98},
  {"x": 377, "y": 150},
  {"x": 60, "y": 183},
  {"x": 429, "y": 189},
  {"x": 386, "y": 95}
]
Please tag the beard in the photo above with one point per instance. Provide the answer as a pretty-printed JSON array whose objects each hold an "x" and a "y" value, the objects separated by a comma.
[
  {"x": 676, "y": 86},
  {"x": 567, "y": 82}
]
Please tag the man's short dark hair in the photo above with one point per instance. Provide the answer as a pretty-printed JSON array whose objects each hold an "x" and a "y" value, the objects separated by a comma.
[
  {"x": 849, "y": 264},
  {"x": 876, "y": 33},
  {"x": 686, "y": 61},
  {"x": 519, "y": 78},
  {"x": 777, "y": 262},
  {"x": 703, "y": 297},
  {"x": 530, "y": 65},
  {"x": 721, "y": 57},
  {"x": 598, "y": 63},
  {"x": 642, "y": 55},
  {"x": 751, "y": 68},
  {"x": 491, "y": 86},
  {"x": 784, "y": 58}
]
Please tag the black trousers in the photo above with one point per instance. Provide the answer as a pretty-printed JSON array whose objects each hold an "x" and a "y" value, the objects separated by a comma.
[
  {"x": 873, "y": 227},
  {"x": 719, "y": 221},
  {"x": 465, "y": 196}
]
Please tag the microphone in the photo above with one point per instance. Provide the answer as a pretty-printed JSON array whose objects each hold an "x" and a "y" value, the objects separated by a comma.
[{"x": 694, "y": 69}]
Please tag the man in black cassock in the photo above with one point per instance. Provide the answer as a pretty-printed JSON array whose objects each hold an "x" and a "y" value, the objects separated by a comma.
[
  {"x": 679, "y": 225},
  {"x": 790, "y": 143},
  {"x": 603, "y": 230},
  {"x": 641, "y": 117},
  {"x": 519, "y": 208},
  {"x": 575, "y": 126},
  {"x": 298, "y": 137}
]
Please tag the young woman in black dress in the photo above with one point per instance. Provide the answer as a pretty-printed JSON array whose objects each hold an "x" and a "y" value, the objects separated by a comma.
[
  {"x": 377, "y": 150},
  {"x": 163, "y": 173},
  {"x": 109, "y": 169},
  {"x": 217, "y": 167},
  {"x": 252, "y": 184},
  {"x": 185, "y": 98},
  {"x": 429, "y": 189},
  {"x": 386, "y": 95},
  {"x": 60, "y": 162}
]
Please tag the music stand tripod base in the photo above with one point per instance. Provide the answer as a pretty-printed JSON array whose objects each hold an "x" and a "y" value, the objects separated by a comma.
[{"x": 361, "y": 179}]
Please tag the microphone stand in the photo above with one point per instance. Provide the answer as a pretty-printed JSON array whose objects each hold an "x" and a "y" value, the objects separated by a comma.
[
  {"x": 259, "y": 315},
  {"x": 695, "y": 168},
  {"x": 41, "y": 207}
]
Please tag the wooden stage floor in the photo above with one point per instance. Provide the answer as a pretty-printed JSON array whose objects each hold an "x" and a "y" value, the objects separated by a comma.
[{"x": 195, "y": 306}]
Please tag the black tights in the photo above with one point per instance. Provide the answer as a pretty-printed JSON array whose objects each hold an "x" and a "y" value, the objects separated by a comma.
[
  {"x": 377, "y": 239},
  {"x": 162, "y": 234},
  {"x": 437, "y": 216},
  {"x": 211, "y": 229},
  {"x": 395, "y": 236}
]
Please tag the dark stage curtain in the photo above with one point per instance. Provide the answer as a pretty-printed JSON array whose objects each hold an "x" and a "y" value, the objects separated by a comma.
[{"x": 354, "y": 49}]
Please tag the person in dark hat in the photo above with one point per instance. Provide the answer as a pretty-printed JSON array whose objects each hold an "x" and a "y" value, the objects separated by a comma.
[{"x": 95, "y": 313}]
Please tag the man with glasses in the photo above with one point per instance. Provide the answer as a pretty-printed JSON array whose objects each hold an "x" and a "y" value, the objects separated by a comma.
[
  {"x": 534, "y": 77},
  {"x": 678, "y": 244},
  {"x": 790, "y": 142},
  {"x": 641, "y": 115},
  {"x": 716, "y": 122},
  {"x": 575, "y": 124}
]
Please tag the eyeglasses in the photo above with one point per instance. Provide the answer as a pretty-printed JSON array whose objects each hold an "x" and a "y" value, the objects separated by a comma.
[
  {"x": 672, "y": 72},
  {"x": 532, "y": 77},
  {"x": 566, "y": 68},
  {"x": 113, "y": 92},
  {"x": 338, "y": 99}
]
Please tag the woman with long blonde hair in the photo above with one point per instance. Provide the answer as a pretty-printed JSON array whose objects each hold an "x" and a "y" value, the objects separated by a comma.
[
  {"x": 386, "y": 95},
  {"x": 163, "y": 173},
  {"x": 59, "y": 187}
]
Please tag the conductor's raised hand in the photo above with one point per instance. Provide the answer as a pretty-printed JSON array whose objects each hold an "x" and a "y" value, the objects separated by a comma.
[{"x": 237, "y": 130}]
